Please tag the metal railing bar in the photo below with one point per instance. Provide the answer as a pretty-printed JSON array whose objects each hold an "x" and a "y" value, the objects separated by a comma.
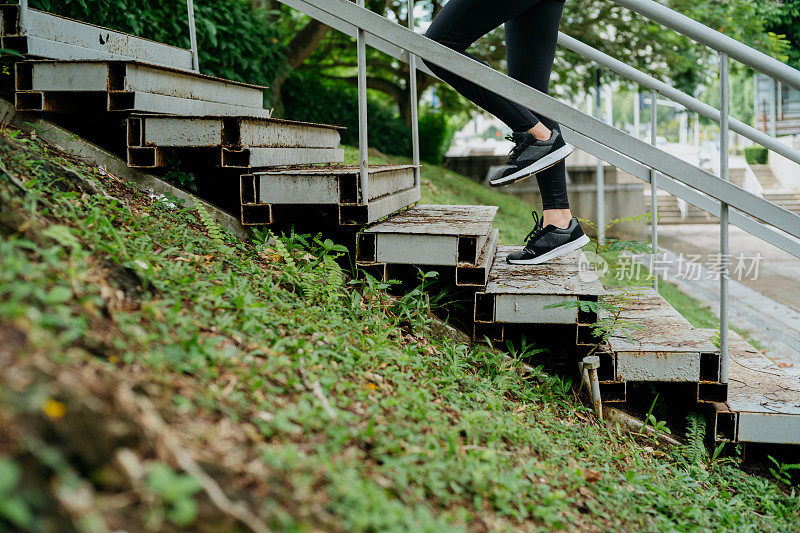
[
  {"x": 584, "y": 50},
  {"x": 363, "y": 146},
  {"x": 345, "y": 27},
  {"x": 714, "y": 39},
  {"x": 675, "y": 188},
  {"x": 689, "y": 102},
  {"x": 724, "y": 251},
  {"x": 412, "y": 90},
  {"x": 193, "y": 36},
  {"x": 517, "y": 91},
  {"x": 600, "y": 172},
  {"x": 654, "y": 186},
  {"x": 23, "y": 14},
  {"x": 633, "y": 167}
]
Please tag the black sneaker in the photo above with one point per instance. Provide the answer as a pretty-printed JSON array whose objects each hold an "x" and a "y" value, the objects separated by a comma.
[
  {"x": 530, "y": 156},
  {"x": 549, "y": 242}
]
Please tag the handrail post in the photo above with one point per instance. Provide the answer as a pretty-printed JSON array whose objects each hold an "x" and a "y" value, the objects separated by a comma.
[
  {"x": 773, "y": 109},
  {"x": 653, "y": 186},
  {"x": 600, "y": 171},
  {"x": 23, "y": 14},
  {"x": 723, "y": 220},
  {"x": 412, "y": 89},
  {"x": 363, "y": 147},
  {"x": 193, "y": 36}
]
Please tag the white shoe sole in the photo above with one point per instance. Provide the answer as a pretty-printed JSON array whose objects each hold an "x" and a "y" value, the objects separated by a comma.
[
  {"x": 583, "y": 240},
  {"x": 537, "y": 166}
]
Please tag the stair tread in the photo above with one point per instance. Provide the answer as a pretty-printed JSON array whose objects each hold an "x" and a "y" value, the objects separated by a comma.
[
  {"x": 52, "y": 36},
  {"x": 328, "y": 170},
  {"x": 757, "y": 384},
  {"x": 73, "y": 86},
  {"x": 569, "y": 274},
  {"x": 659, "y": 328},
  {"x": 239, "y": 141},
  {"x": 244, "y": 116},
  {"x": 765, "y": 396},
  {"x": 178, "y": 71},
  {"x": 474, "y": 220}
]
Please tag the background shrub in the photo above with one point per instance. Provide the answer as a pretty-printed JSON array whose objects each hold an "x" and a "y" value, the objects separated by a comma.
[
  {"x": 309, "y": 97},
  {"x": 755, "y": 155}
]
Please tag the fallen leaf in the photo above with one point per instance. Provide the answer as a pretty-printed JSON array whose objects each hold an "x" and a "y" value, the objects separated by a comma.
[{"x": 592, "y": 476}]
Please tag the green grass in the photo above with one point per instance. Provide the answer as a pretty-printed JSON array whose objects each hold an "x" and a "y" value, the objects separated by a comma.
[{"x": 317, "y": 405}]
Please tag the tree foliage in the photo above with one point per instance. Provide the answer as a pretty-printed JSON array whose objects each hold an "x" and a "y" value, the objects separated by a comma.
[
  {"x": 783, "y": 19},
  {"x": 235, "y": 41},
  {"x": 601, "y": 24}
]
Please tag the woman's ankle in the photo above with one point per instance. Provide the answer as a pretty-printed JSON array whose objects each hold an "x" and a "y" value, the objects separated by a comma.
[
  {"x": 560, "y": 218},
  {"x": 541, "y": 132}
]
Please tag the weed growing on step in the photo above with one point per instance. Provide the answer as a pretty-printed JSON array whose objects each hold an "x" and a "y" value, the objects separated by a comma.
[
  {"x": 782, "y": 471},
  {"x": 312, "y": 414},
  {"x": 604, "y": 257}
]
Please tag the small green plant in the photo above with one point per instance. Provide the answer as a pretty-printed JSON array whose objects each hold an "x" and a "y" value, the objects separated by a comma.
[
  {"x": 211, "y": 226},
  {"x": 5, "y": 68},
  {"x": 415, "y": 305},
  {"x": 695, "y": 448},
  {"x": 659, "y": 426},
  {"x": 616, "y": 245},
  {"x": 175, "y": 492},
  {"x": 781, "y": 471},
  {"x": 311, "y": 265},
  {"x": 13, "y": 509},
  {"x": 184, "y": 180}
]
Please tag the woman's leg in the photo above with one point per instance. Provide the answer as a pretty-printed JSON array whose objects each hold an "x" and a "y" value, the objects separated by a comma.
[
  {"x": 459, "y": 24},
  {"x": 531, "y": 38}
]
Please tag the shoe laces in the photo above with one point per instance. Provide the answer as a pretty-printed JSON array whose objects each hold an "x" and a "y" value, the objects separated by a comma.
[
  {"x": 519, "y": 146},
  {"x": 537, "y": 227}
]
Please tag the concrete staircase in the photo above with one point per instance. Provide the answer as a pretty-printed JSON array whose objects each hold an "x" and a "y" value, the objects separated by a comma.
[
  {"x": 766, "y": 177},
  {"x": 789, "y": 200},
  {"x": 669, "y": 211},
  {"x": 143, "y": 101}
]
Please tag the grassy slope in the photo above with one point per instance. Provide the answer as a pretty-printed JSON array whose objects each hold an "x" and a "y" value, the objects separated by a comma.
[
  {"x": 442, "y": 186},
  {"x": 318, "y": 407}
]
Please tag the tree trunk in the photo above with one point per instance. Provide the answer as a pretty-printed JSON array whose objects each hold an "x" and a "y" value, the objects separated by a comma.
[{"x": 299, "y": 49}]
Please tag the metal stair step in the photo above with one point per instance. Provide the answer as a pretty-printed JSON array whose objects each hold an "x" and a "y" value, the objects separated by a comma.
[
  {"x": 304, "y": 191},
  {"x": 76, "y": 86},
  {"x": 653, "y": 342},
  {"x": 429, "y": 235},
  {"x": 239, "y": 141},
  {"x": 49, "y": 36},
  {"x": 477, "y": 275},
  {"x": 763, "y": 402},
  {"x": 521, "y": 294}
]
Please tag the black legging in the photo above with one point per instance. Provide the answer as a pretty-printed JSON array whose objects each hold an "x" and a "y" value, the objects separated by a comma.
[{"x": 531, "y": 35}]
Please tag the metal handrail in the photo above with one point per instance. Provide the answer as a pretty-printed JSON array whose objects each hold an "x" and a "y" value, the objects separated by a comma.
[
  {"x": 710, "y": 205},
  {"x": 193, "y": 35},
  {"x": 582, "y": 49},
  {"x": 716, "y": 40},
  {"x": 676, "y": 95},
  {"x": 517, "y": 91}
]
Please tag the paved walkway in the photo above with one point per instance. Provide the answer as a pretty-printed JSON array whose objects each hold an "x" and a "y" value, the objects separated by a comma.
[{"x": 764, "y": 289}]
